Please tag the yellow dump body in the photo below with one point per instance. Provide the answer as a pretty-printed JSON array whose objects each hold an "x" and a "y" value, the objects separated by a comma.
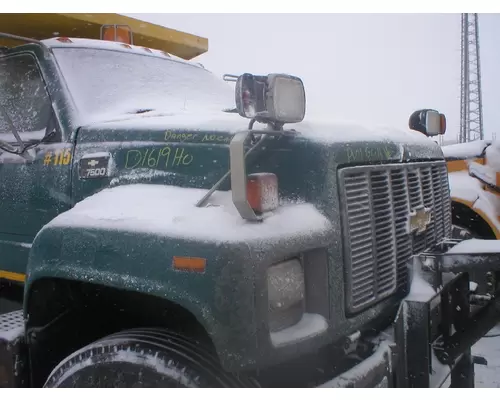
[{"x": 45, "y": 26}]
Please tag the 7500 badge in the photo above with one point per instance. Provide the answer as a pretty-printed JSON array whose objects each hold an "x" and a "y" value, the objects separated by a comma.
[{"x": 94, "y": 166}]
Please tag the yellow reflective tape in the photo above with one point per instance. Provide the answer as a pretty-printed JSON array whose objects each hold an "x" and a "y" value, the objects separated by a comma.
[{"x": 12, "y": 276}]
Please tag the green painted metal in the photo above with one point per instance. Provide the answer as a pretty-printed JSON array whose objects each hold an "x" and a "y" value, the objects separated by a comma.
[{"x": 226, "y": 298}]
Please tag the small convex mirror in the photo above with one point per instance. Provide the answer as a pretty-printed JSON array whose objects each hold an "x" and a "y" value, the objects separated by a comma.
[
  {"x": 428, "y": 122},
  {"x": 275, "y": 98}
]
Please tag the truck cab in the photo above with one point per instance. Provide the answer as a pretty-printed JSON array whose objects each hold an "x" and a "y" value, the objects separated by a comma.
[
  {"x": 159, "y": 238},
  {"x": 49, "y": 101}
]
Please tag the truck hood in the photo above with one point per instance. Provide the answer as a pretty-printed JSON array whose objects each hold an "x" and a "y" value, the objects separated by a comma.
[
  {"x": 192, "y": 151},
  {"x": 403, "y": 145}
]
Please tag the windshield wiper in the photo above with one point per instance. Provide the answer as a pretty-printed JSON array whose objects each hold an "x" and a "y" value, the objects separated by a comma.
[
  {"x": 23, "y": 147},
  {"x": 4, "y": 145},
  {"x": 141, "y": 111}
]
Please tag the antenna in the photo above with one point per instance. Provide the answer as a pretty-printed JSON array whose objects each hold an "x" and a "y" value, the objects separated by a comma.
[{"x": 471, "y": 104}]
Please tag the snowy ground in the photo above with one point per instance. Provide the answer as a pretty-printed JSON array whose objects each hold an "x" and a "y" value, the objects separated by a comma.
[{"x": 488, "y": 377}]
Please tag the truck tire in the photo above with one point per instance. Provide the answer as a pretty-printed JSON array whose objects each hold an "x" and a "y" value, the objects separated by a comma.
[{"x": 143, "y": 358}]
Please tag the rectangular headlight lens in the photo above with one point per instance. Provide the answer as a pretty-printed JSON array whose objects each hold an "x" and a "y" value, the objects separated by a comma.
[
  {"x": 286, "y": 293},
  {"x": 288, "y": 96}
]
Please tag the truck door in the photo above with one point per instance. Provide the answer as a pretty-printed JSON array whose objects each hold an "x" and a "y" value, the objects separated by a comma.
[{"x": 32, "y": 191}]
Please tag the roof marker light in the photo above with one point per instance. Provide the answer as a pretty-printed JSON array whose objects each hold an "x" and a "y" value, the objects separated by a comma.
[
  {"x": 117, "y": 33},
  {"x": 64, "y": 40}
]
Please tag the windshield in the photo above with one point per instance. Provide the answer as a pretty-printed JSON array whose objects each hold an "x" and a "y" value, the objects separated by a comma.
[{"x": 107, "y": 83}]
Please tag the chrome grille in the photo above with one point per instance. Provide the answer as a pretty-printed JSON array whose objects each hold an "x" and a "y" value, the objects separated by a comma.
[{"x": 376, "y": 202}]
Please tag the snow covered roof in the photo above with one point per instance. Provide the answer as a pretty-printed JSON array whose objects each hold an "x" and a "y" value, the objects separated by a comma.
[{"x": 114, "y": 46}]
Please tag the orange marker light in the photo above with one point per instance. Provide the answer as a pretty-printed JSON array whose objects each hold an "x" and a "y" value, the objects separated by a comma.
[
  {"x": 194, "y": 264},
  {"x": 64, "y": 40},
  {"x": 262, "y": 192},
  {"x": 442, "y": 119},
  {"x": 117, "y": 33}
]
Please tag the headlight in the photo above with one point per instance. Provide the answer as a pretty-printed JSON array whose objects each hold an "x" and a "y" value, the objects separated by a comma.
[
  {"x": 275, "y": 98},
  {"x": 285, "y": 292}
]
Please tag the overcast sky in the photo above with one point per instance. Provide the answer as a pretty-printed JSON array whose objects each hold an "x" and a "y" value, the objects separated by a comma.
[{"x": 375, "y": 68}]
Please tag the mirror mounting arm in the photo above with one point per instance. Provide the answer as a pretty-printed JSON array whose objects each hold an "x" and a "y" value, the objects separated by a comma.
[
  {"x": 255, "y": 144},
  {"x": 239, "y": 176}
]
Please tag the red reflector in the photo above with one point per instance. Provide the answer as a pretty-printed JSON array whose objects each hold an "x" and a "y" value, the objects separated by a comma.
[
  {"x": 262, "y": 192},
  {"x": 64, "y": 40}
]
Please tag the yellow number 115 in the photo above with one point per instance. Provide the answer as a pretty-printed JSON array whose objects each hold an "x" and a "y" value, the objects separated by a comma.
[{"x": 62, "y": 157}]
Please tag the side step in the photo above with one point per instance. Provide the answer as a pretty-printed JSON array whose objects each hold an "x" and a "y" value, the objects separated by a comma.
[{"x": 12, "y": 365}]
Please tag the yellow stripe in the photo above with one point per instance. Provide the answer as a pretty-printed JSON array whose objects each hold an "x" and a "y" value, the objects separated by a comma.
[
  {"x": 462, "y": 165},
  {"x": 12, "y": 276}
]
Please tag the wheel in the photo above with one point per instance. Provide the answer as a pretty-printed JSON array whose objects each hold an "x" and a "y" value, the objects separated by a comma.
[{"x": 143, "y": 358}]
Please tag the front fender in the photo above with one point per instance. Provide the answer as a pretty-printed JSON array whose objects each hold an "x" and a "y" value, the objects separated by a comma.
[
  {"x": 126, "y": 238},
  {"x": 139, "y": 262}
]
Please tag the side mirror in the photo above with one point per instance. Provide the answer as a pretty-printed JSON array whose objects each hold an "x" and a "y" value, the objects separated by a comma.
[
  {"x": 276, "y": 98},
  {"x": 428, "y": 122}
]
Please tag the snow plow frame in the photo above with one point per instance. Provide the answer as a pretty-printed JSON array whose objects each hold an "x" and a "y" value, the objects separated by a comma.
[{"x": 434, "y": 332}]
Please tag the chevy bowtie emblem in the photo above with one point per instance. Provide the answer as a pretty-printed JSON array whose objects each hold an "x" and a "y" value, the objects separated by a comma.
[
  {"x": 93, "y": 163},
  {"x": 420, "y": 218}
]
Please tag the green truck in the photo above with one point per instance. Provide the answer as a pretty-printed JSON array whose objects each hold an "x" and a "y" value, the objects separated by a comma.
[{"x": 161, "y": 227}]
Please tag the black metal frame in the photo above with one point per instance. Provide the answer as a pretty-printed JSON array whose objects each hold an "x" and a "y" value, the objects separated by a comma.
[{"x": 444, "y": 325}]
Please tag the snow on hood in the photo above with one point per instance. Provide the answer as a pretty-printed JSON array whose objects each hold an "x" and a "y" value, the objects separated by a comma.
[
  {"x": 170, "y": 211},
  {"x": 322, "y": 131},
  {"x": 346, "y": 131}
]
